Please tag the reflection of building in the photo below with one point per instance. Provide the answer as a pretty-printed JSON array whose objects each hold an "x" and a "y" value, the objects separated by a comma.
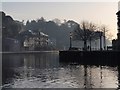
[
  {"x": 116, "y": 43},
  {"x": 43, "y": 60}
]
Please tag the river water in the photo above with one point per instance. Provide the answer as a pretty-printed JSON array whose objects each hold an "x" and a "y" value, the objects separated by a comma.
[{"x": 44, "y": 70}]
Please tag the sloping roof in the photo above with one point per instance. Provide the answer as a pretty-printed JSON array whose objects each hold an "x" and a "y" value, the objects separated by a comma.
[
  {"x": 30, "y": 33},
  {"x": 41, "y": 33}
]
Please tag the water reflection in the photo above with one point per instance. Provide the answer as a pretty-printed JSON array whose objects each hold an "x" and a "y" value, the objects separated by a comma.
[
  {"x": 45, "y": 71},
  {"x": 118, "y": 77},
  {"x": 42, "y": 60}
]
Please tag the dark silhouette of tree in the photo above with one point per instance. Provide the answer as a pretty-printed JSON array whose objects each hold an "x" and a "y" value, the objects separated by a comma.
[
  {"x": 85, "y": 32},
  {"x": 10, "y": 27}
]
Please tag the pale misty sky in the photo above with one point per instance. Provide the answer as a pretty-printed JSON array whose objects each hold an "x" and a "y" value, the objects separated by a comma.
[{"x": 97, "y": 12}]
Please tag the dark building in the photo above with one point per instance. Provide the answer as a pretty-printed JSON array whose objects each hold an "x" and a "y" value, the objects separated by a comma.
[{"x": 116, "y": 43}]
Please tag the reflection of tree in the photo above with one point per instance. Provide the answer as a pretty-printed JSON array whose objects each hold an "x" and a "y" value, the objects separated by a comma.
[
  {"x": 90, "y": 77},
  {"x": 118, "y": 77},
  {"x": 101, "y": 77},
  {"x": 42, "y": 60},
  {"x": 88, "y": 80},
  {"x": 85, "y": 76}
]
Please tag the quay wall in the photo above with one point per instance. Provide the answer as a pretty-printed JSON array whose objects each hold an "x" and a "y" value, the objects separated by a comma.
[{"x": 91, "y": 57}]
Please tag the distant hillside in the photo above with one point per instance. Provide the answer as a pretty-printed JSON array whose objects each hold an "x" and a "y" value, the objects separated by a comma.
[
  {"x": 10, "y": 27},
  {"x": 60, "y": 32}
]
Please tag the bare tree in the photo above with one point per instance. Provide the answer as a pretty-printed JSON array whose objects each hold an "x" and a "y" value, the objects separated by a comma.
[
  {"x": 85, "y": 32},
  {"x": 92, "y": 34},
  {"x": 110, "y": 36},
  {"x": 104, "y": 29}
]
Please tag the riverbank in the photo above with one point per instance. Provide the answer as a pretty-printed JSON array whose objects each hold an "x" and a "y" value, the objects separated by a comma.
[{"x": 91, "y": 57}]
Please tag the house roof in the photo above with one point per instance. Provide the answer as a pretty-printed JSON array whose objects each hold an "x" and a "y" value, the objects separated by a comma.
[{"x": 31, "y": 33}]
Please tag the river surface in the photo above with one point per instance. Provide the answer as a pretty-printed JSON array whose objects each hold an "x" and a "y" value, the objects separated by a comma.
[{"x": 44, "y": 70}]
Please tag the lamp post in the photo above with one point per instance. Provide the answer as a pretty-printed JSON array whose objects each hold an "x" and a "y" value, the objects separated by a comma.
[
  {"x": 70, "y": 40},
  {"x": 104, "y": 40},
  {"x": 90, "y": 43},
  {"x": 101, "y": 41},
  {"x": 91, "y": 36}
]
